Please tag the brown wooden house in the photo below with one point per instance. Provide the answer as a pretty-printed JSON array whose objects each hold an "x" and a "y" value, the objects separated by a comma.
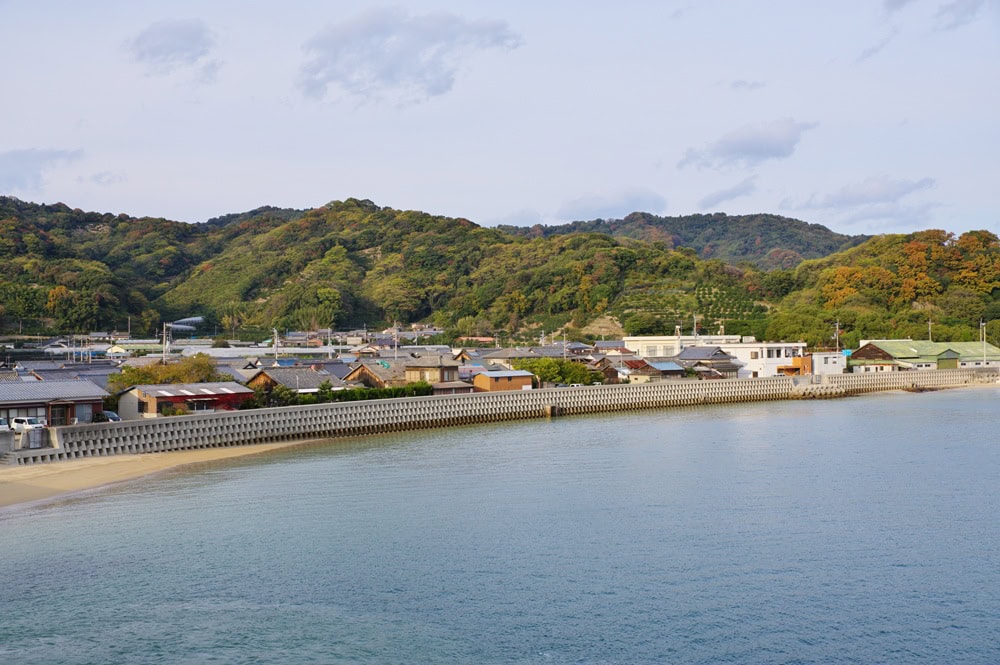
[
  {"x": 511, "y": 379},
  {"x": 431, "y": 369},
  {"x": 378, "y": 373}
]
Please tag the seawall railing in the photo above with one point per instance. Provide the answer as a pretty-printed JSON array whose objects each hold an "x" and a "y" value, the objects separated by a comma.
[{"x": 236, "y": 428}]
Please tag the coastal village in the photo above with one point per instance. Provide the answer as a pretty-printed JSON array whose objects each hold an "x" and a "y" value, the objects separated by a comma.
[{"x": 65, "y": 381}]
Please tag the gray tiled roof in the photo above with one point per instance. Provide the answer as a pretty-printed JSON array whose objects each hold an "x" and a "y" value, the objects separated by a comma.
[
  {"x": 301, "y": 378},
  {"x": 701, "y": 353},
  {"x": 48, "y": 391}
]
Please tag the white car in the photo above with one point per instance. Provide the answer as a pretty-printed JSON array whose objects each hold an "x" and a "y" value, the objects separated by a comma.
[{"x": 20, "y": 424}]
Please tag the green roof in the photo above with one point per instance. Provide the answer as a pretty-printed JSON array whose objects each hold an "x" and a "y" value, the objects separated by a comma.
[{"x": 926, "y": 351}]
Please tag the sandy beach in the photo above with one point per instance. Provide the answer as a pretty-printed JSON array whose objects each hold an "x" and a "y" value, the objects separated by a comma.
[{"x": 39, "y": 482}]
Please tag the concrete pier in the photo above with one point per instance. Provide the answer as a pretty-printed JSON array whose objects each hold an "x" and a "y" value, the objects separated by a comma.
[{"x": 237, "y": 428}]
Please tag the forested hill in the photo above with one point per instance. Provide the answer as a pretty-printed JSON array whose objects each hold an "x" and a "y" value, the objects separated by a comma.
[
  {"x": 768, "y": 241},
  {"x": 353, "y": 263}
]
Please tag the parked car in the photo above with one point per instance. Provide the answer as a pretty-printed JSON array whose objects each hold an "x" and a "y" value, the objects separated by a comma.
[
  {"x": 21, "y": 423},
  {"x": 105, "y": 417},
  {"x": 5, "y": 426}
]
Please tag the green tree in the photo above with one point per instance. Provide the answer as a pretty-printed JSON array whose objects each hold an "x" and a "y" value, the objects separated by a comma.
[{"x": 199, "y": 368}]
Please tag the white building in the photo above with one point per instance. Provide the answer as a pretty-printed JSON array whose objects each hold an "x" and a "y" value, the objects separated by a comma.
[
  {"x": 666, "y": 346},
  {"x": 828, "y": 362},
  {"x": 758, "y": 359}
]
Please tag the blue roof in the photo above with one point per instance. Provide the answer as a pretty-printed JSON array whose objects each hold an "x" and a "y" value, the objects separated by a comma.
[{"x": 666, "y": 366}]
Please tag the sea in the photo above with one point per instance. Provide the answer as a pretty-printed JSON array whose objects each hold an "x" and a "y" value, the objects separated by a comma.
[{"x": 858, "y": 530}]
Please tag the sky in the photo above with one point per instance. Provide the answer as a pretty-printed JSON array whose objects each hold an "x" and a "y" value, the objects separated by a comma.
[{"x": 876, "y": 116}]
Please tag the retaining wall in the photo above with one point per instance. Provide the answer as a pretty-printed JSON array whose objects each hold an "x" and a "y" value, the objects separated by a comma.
[
  {"x": 236, "y": 428},
  {"x": 854, "y": 384}
]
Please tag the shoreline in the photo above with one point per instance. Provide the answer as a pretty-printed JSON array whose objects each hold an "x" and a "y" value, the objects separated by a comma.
[
  {"x": 38, "y": 484},
  {"x": 43, "y": 483}
]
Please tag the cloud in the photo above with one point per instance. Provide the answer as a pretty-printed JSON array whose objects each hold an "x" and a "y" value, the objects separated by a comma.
[
  {"x": 168, "y": 46},
  {"x": 891, "y": 217},
  {"x": 957, "y": 13},
  {"x": 747, "y": 186},
  {"x": 750, "y": 145},
  {"x": 894, "y": 5},
  {"x": 875, "y": 49},
  {"x": 876, "y": 202},
  {"x": 614, "y": 206},
  {"x": 24, "y": 170},
  {"x": 103, "y": 179},
  {"x": 873, "y": 190},
  {"x": 742, "y": 84},
  {"x": 387, "y": 52}
]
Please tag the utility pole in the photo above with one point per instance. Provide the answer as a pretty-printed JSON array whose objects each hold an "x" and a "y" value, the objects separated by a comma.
[
  {"x": 929, "y": 337},
  {"x": 982, "y": 333},
  {"x": 166, "y": 343},
  {"x": 836, "y": 334}
]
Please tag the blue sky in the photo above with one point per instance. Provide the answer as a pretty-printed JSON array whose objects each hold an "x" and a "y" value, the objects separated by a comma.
[{"x": 867, "y": 117}]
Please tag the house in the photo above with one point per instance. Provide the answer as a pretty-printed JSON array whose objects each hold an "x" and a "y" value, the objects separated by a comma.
[
  {"x": 152, "y": 401},
  {"x": 637, "y": 370},
  {"x": 907, "y": 354},
  {"x": 607, "y": 369},
  {"x": 666, "y": 369},
  {"x": 379, "y": 373},
  {"x": 756, "y": 359},
  {"x": 578, "y": 348},
  {"x": 507, "y": 357},
  {"x": 55, "y": 402},
  {"x": 302, "y": 380},
  {"x": 606, "y": 345},
  {"x": 482, "y": 341},
  {"x": 48, "y": 370},
  {"x": 665, "y": 346},
  {"x": 497, "y": 380},
  {"x": 333, "y": 366},
  {"x": 432, "y": 369},
  {"x": 452, "y": 388},
  {"x": 828, "y": 362},
  {"x": 466, "y": 355},
  {"x": 708, "y": 362}
]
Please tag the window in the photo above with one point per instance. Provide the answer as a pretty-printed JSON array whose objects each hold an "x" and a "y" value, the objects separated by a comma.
[
  {"x": 142, "y": 406},
  {"x": 754, "y": 355},
  {"x": 826, "y": 360}
]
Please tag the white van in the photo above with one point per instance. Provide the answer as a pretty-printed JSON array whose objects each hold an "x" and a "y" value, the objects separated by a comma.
[{"x": 21, "y": 423}]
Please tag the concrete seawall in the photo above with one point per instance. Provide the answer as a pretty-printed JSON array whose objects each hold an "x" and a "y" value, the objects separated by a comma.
[{"x": 235, "y": 428}]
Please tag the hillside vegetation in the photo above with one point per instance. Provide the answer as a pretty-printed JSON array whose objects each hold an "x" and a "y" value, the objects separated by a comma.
[
  {"x": 353, "y": 263},
  {"x": 767, "y": 241}
]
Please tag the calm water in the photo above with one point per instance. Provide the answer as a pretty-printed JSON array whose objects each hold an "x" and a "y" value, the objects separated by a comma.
[{"x": 863, "y": 530}]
